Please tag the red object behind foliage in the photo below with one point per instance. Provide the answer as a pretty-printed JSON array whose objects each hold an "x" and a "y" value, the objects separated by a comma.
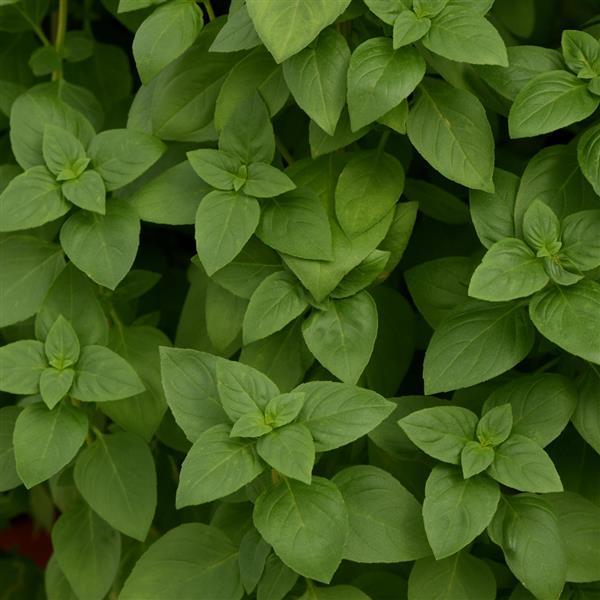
[{"x": 20, "y": 537}]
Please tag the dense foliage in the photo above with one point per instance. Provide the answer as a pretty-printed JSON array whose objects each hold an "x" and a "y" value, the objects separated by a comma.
[{"x": 239, "y": 243}]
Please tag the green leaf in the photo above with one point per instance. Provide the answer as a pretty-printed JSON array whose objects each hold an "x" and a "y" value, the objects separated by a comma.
[
  {"x": 286, "y": 28},
  {"x": 290, "y": 450},
  {"x": 437, "y": 203},
  {"x": 224, "y": 223},
  {"x": 464, "y": 36},
  {"x": 322, "y": 143},
  {"x": 363, "y": 275},
  {"x": 190, "y": 384},
  {"x": 166, "y": 34},
  {"x": 248, "y": 133},
  {"x": 117, "y": 478},
  {"x": 103, "y": 246},
  {"x": 216, "y": 167},
  {"x": 493, "y": 213},
  {"x": 32, "y": 112},
  {"x": 586, "y": 417},
  {"x": 581, "y": 240},
  {"x": 554, "y": 177},
  {"x": 342, "y": 336},
  {"x": 495, "y": 425},
  {"x": 316, "y": 77},
  {"x": 541, "y": 228},
  {"x": 524, "y": 63},
  {"x": 63, "y": 153},
  {"x": 242, "y": 389},
  {"x": 86, "y": 191},
  {"x": 265, "y": 181},
  {"x": 184, "y": 190},
  {"x": 475, "y": 458},
  {"x": 29, "y": 266},
  {"x": 122, "y": 155},
  {"x": 541, "y": 405},
  {"x": 408, "y": 28},
  {"x": 387, "y": 10},
  {"x": 476, "y": 342},
  {"x": 215, "y": 466},
  {"x": 190, "y": 561},
  {"x": 429, "y": 8},
  {"x": 62, "y": 344},
  {"x": 439, "y": 286},
  {"x": 256, "y": 72},
  {"x": 278, "y": 300},
  {"x": 101, "y": 375},
  {"x": 570, "y": 317},
  {"x": 141, "y": 414},
  {"x": 385, "y": 519},
  {"x": 55, "y": 384},
  {"x": 73, "y": 295},
  {"x": 521, "y": 464},
  {"x": 21, "y": 365},
  {"x": 379, "y": 78},
  {"x": 179, "y": 103},
  {"x": 312, "y": 240},
  {"x": 581, "y": 52},
  {"x": 276, "y": 581},
  {"x": 549, "y": 102},
  {"x": 526, "y": 529},
  {"x": 441, "y": 432},
  {"x": 338, "y": 413},
  {"x": 44, "y": 60},
  {"x": 87, "y": 550},
  {"x": 508, "y": 271},
  {"x": 396, "y": 118},
  {"x": 9, "y": 478},
  {"x": 282, "y": 356},
  {"x": 449, "y": 128},
  {"x": 393, "y": 351},
  {"x": 250, "y": 425},
  {"x": 46, "y": 440},
  {"x": 237, "y": 34},
  {"x": 55, "y": 582},
  {"x": 588, "y": 156},
  {"x": 223, "y": 314},
  {"x": 579, "y": 525},
  {"x": 367, "y": 189},
  {"x": 31, "y": 199},
  {"x": 334, "y": 592},
  {"x": 284, "y": 408},
  {"x": 457, "y": 510},
  {"x": 458, "y": 577},
  {"x": 248, "y": 269},
  {"x": 306, "y": 525},
  {"x": 252, "y": 558}
]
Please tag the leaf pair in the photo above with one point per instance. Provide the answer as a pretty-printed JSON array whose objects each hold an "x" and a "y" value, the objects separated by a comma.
[
  {"x": 558, "y": 98},
  {"x": 448, "y": 434},
  {"x": 452, "y": 30},
  {"x": 555, "y": 250},
  {"x": 223, "y": 459},
  {"x": 241, "y": 170},
  {"x": 58, "y": 367},
  {"x": 340, "y": 333}
]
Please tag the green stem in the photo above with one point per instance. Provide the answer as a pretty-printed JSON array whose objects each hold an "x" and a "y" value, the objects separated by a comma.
[
  {"x": 61, "y": 32},
  {"x": 34, "y": 26},
  {"x": 87, "y": 17},
  {"x": 383, "y": 140},
  {"x": 284, "y": 151},
  {"x": 209, "y": 10},
  {"x": 548, "y": 365},
  {"x": 99, "y": 435}
]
